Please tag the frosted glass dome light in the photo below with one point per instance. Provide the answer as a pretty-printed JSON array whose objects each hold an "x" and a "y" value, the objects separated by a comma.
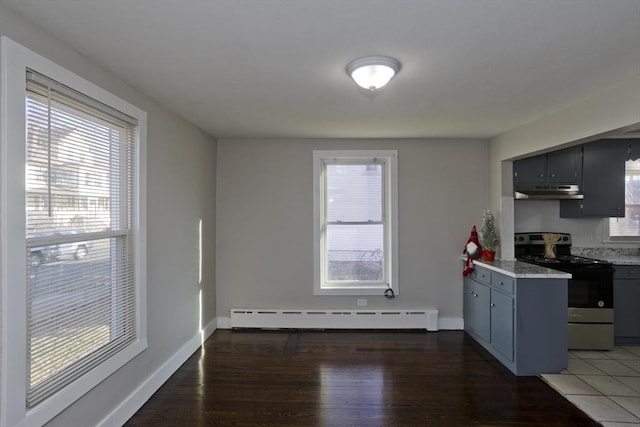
[{"x": 373, "y": 72}]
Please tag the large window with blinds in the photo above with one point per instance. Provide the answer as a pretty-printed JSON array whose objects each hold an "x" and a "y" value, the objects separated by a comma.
[
  {"x": 355, "y": 227},
  {"x": 74, "y": 204},
  {"x": 628, "y": 228},
  {"x": 79, "y": 208}
]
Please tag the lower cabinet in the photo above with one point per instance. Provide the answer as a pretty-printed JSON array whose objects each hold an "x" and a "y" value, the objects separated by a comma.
[
  {"x": 521, "y": 322},
  {"x": 477, "y": 298},
  {"x": 626, "y": 300},
  {"x": 502, "y": 323}
]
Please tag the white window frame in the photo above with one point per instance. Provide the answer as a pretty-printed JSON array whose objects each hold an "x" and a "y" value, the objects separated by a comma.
[
  {"x": 624, "y": 240},
  {"x": 389, "y": 159},
  {"x": 15, "y": 60}
]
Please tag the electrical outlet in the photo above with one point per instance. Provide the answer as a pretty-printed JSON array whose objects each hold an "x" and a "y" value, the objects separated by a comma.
[{"x": 361, "y": 302}]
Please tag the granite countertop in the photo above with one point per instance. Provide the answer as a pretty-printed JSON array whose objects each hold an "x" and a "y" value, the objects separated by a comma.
[
  {"x": 624, "y": 260},
  {"x": 518, "y": 269},
  {"x": 616, "y": 256},
  {"x": 522, "y": 270}
]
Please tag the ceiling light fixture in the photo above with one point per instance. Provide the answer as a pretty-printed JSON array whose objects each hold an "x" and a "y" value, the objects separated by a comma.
[{"x": 373, "y": 72}]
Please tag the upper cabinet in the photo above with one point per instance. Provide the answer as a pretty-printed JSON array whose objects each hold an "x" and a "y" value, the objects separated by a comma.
[
  {"x": 634, "y": 149},
  {"x": 558, "y": 167},
  {"x": 603, "y": 187}
]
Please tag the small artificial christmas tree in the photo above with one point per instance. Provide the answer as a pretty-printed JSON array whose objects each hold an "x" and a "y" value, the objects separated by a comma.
[{"x": 488, "y": 234}]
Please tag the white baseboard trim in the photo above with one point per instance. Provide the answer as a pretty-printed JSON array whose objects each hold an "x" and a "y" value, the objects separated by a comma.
[
  {"x": 134, "y": 401},
  {"x": 415, "y": 318},
  {"x": 450, "y": 324},
  {"x": 224, "y": 323},
  {"x": 444, "y": 323}
]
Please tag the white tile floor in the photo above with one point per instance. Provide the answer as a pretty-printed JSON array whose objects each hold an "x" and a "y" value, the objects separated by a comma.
[{"x": 604, "y": 384}]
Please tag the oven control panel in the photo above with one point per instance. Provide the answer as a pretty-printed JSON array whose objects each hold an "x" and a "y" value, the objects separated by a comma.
[{"x": 541, "y": 238}]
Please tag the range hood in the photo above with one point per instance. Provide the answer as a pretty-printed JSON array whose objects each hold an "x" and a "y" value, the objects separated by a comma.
[{"x": 547, "y": 191}]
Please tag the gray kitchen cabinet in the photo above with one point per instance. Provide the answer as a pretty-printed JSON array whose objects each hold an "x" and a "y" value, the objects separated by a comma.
[
  {"x": 557, "y": 167},
  {"x": 477, "y": 297},
  {"x": 634, "y": 149},
  {"x": 603, "y": 184},
  {"x": 482, "y": 275},
  {"x": 626, "y": 300},
  {"x": 502, "y": 323},
  {"x": 521, "y": 322},
  {"x": 530, "y": 170},
  {"x": 467, "y": 303}
]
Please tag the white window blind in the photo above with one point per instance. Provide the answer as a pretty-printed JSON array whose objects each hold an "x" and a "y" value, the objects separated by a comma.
[
  {"x": 79, "y": 238},
  {"x": 355, "y": 222},
  {"x": 628, "y": 228}
]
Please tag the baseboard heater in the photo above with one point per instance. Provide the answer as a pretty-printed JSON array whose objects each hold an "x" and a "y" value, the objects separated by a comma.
[{"x": 426, "y": 318}]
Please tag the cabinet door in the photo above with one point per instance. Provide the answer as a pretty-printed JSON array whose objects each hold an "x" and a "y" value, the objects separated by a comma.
[
  {"x": 626, "y": 300},
  {"x": 564, "y": 166},
  {"x": 468, "y": 302},
  {"x": 502, "y": 323},
  {"x": 557, "y": 167},
  {"x": 531, "y": 170},
  {"x": 602, "y": 183},
  {"x": 481, "y": 312},
  {"x": 634, "y": 149}
]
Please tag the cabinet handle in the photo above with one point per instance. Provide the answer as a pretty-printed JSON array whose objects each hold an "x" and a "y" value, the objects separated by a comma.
[
  {"x": 493, "y": 305},
  {"x": 553, "y": 175},
  {"x": 541, "y": 175},
  {"x": 501, "y": 283}
]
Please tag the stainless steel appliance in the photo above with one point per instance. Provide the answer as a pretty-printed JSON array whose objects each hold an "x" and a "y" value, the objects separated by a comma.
[
  {"x": 547, "y": 191},
  {"x": 590, "y": 311}
]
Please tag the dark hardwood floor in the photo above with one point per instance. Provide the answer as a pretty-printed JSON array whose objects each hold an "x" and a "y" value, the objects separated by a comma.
[{"x": 351, "y": 378}]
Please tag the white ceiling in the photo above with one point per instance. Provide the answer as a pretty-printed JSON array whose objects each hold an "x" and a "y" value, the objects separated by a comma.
[{"x": 276, "y": 68}]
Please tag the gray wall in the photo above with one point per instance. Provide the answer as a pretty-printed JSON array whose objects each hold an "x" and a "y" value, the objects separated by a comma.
[
  {"x": 265, "y": 221},
  {"x": 181, "y": 192}
]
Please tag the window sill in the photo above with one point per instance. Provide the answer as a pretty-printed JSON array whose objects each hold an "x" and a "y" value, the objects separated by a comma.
[{"x": 354, "y": 291}]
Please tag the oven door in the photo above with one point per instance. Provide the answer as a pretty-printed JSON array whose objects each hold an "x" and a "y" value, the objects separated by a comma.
[{"x": 591, "y": 288}]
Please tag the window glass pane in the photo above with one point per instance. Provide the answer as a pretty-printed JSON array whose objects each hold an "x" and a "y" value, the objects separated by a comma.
[
  {"x": 355, "y": 252},
  {"x": 73, "y": 312},
  {"x": 632, "y": 187},
  {"x": 354, "y": 192},
  {"x": 70, "y": 169}
]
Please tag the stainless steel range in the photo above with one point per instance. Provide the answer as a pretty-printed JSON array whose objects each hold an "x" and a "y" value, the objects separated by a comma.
[{"x": 590, "y": 311}]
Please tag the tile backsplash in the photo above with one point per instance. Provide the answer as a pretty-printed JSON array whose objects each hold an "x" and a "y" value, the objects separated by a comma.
[
  {"x": 544, "y": 215},
  {"x": 605, "y": 252}
]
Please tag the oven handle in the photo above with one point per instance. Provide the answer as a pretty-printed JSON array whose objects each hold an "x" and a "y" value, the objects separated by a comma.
[{"x": 600, "y": 268}]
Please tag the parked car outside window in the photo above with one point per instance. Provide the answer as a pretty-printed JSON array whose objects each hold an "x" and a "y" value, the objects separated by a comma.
[{"x": 51, "y": 253}]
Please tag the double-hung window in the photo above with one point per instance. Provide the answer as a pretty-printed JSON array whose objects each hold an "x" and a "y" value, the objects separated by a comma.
[
  {"x": 355, "y": 222},
  {"x": 73, "y": 247},
  {"x": 628, "y": 228}
]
